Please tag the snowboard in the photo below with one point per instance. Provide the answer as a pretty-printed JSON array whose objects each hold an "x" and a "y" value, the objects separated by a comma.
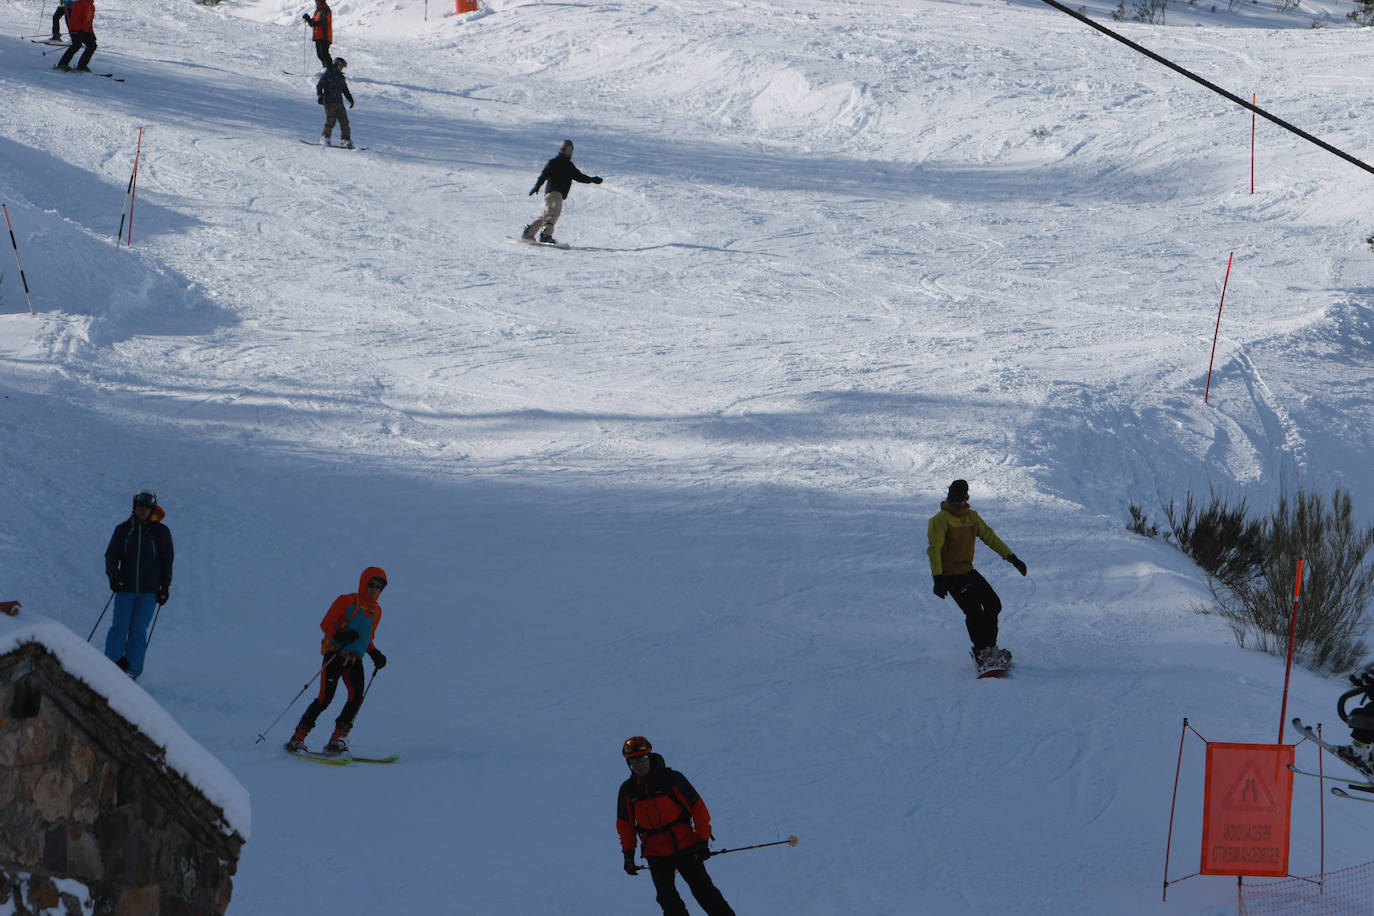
[
  {"x": 998, "y": 665},
  {"x": 534, "y": 243},
  {"x": 354, "y": 149}
]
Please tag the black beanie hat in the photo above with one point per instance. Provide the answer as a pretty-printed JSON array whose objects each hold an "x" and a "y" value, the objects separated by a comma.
[{"x": 958, "y": 492}]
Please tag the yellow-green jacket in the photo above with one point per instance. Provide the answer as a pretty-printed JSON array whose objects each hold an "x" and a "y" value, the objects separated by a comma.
[{"x": 951, "y": 532}]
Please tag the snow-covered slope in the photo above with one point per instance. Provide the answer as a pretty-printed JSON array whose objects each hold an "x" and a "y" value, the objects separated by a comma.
[{"x": 675, "y": 481}]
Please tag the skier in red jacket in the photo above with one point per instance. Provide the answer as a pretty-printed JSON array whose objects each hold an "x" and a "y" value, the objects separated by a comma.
[
  {"x": 660, "y": 807},
  {"x": 81, "y": 25},
  {"x": 349, "y": 628}
]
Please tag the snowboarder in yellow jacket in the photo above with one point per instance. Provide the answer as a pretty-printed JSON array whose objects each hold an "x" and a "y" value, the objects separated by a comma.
[{"x": 953, "y": 532}]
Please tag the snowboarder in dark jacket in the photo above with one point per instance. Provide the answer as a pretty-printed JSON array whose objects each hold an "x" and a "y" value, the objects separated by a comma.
[
  {"x": 330, "y": 92},
  {"x": 559, "y": 174},
  {"x": 659, "y": 807},
  {"x": 138, "y": 563}
]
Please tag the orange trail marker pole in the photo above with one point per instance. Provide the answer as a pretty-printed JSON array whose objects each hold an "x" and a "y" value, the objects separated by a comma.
[{"x": 1292, "y": 634}]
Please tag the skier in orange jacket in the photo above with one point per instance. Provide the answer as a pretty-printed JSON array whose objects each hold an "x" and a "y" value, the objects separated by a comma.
[
  {"x": 660, "y": 807},
  {"x": 349, "y": 626},
  {"x": 322, "y": 31}
]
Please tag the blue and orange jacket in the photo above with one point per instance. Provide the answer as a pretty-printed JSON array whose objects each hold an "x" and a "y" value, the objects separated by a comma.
[
  {"x": 353, "y": 612},
  {"x": 664, "y": 812}
]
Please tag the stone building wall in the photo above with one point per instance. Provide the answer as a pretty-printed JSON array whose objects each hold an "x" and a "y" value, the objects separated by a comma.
[{"x": 86, "y": 796}]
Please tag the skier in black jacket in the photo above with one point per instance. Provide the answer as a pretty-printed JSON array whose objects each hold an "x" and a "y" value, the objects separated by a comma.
[
  {"x": 138, "y": 563},
  {"x": 559, "y": 172},
  {"x": 330, "y": 92}
]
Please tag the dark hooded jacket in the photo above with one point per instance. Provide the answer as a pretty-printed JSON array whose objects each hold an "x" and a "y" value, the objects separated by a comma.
[
  {"x": 139, "y": 555},
  {"x": 332, "y": 88},
  {"x": 560, "y": 173}
]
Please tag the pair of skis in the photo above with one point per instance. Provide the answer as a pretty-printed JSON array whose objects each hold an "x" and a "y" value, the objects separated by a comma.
[
  {"x": 339, "y": 760},
  {"x": 1365, "y": 785}
]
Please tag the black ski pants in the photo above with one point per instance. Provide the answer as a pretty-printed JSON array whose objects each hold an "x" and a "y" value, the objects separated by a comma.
[
  {"x": 336, "y": 669},
  {"x": 663, "y": 868},
  {"x": 980, "y": 605},
  {"x": 79, "y": 40},
  {"x": 322, "y": 52}
]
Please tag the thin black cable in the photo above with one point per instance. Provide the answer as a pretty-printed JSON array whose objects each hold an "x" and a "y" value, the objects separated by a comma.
[{"x": 1212, "y": 86}]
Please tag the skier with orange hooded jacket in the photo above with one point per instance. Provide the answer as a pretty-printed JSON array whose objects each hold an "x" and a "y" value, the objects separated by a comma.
[
  {"x": 658, "y": 806},
  {"x": 349, "y": 628}
]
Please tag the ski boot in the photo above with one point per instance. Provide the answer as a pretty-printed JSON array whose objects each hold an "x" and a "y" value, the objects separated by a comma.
[
  {"x": 336, "y": 747},
  {"x": 297, "y": 742},
  {"x": 547, "y": 239},
  {"x": 1359, "y": 755}
]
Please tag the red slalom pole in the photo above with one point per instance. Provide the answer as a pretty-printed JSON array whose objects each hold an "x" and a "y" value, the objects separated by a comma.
[
  {"x": 16, "y": 257},
  {"x": 1292, "y": 635},
  {"x": 1206, "y": 392},
  {"x": 129, "y": 196}
]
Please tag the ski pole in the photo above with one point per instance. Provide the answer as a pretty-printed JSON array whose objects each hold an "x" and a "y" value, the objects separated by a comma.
[
  {"x": 129, "y": 195},
  {"x": 369, "y": 685},
  {"x": 262, "y": 736},
  {"x": 152, "y": 629},
  {"x": 101, "y": 617},
  {"x": 16, "y": 257},
  {"x": 790, "y": 841}
]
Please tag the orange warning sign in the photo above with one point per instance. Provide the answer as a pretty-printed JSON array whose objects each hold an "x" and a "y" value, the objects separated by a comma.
[{"x": 1247, "y": 802}]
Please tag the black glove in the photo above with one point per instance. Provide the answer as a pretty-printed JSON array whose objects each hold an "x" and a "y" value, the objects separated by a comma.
[
  {"x": 162, "y": 594},
  {"x": 350, "y": 103},
  {"x": 1015, "y": 561},
  {"x": 377, "y": 657},
  {"x": 596, "y": 180},
  {"x": 941, "y": 586},
  {"x": 319, "y": 100},
  {"x": 305, "y": 16},
  {"x": 534, "y": 190},
  {"x": 701, "y": 851},
  {"x": 114, "y": 583},
  {"x": 344, "y": 637},
  {"x": 631, "y": 868}
]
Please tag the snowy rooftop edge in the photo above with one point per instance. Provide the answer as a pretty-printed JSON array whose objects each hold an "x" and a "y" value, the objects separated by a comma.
[{"x": 183, "y": 753}]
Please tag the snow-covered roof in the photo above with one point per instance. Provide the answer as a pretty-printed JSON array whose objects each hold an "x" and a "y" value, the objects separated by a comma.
[{"x": 183, "y": 754}]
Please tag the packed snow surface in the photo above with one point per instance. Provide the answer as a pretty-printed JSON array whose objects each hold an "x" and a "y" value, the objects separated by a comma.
[{"x": 675, "y": 481}]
